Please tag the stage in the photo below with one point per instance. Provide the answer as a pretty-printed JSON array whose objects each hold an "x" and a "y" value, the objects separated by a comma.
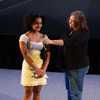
[{"x": 11, "y": 89}]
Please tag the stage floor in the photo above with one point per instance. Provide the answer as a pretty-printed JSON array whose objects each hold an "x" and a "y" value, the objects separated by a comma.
[{"x": 10, "y": 88}]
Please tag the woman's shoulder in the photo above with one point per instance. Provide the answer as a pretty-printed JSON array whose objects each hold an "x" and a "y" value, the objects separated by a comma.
[
  {"x": 43, "y": 35},
  {"x": 82, "y": 31},
  {"x": 46, "y": 35},
  {"x": 23, "y": 37}
]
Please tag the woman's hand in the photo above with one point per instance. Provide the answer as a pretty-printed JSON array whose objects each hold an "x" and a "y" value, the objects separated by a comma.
[
  {"x": 39, "y": 74},
  {"x": 47, "y": 41},
  {"x": 59, "y": 42}
]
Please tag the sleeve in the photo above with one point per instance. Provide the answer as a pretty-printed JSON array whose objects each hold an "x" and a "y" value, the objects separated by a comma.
[
  {"x": 46, "y": 36},
  {"x": 24, "y": 38},
  {"x": 75, "y": 39}
]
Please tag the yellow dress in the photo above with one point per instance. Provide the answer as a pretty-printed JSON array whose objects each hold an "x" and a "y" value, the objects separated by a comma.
[{"x": 27, "y": 76}]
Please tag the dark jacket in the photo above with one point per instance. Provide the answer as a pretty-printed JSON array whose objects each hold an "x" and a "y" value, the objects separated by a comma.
[
  {"x": 75, "y": 50},
  {"x": 60, "y": 64}
]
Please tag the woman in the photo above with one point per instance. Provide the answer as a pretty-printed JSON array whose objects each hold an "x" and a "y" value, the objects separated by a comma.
[
  {"x": 33, "y": 67},
  {"x": 75, "y": 54}
]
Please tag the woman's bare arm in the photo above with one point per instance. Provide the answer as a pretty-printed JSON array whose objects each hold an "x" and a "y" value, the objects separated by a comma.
[
  {"x": 31, "y": 63},
  {"x": 59, "y": 42},
  {"x": 46, "y": 62}
]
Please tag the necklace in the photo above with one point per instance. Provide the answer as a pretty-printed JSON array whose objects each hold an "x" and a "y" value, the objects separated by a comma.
[{"x": 70, "y": 33}]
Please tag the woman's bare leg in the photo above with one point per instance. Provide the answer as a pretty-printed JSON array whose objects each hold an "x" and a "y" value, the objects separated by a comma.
[
  {"x": 36, "y": 92},
  {"x": 28, "y": 92}
]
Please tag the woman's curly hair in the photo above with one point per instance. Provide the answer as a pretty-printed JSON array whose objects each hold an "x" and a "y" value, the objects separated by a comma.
[{"x": 30, "y": 18}]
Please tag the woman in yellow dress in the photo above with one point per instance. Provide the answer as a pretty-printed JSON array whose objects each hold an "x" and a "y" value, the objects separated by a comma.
[{"x": 33, "y": 75}]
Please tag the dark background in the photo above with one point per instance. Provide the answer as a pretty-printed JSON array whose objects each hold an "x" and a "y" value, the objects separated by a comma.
[{"x": 56, "y": 13}]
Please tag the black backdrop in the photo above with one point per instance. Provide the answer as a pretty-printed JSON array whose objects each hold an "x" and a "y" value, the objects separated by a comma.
[
  {"x": 11, "y": 57},
  {"x": 56, "y": 12}
]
